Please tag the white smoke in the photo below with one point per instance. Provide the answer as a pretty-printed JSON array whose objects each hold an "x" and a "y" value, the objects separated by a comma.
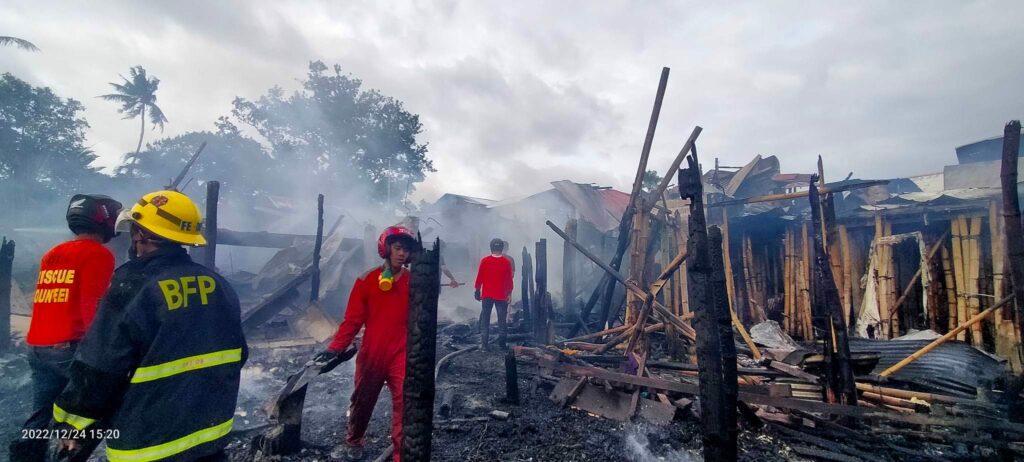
[{"x": 640, "y": 451}]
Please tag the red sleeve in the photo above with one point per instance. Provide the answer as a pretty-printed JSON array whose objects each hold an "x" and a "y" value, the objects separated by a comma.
[
  {"x": 93, "y": 277},
  {"x": 480, "y": 274},
  {"x": 355, "y": 317}
]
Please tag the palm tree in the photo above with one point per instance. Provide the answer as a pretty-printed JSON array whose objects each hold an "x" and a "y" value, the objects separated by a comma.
[
  {"x": 136, "y": 95},
  {"x": 20, "y": 43}
]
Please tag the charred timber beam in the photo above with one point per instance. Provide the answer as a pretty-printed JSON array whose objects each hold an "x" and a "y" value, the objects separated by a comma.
[
  {"x": 569, "y": 270},
  {"x": 418, "y": 388},
  {"x": 447, "y": 402},
  {"x": 723, "y": 322},
  {"x": 800, "y": 194},
  {"x": 285, "y": 410},
  {"x": 261, "y": 239},
  {"x": 702, "y": 300},
  {"x": 626, "y": 220},
  {"x": 648, "y": 305},
  {"x": 314, "y": 290},
  {"x": 511, "y": 378},
  {"x": 589, "y": 306},
  {"x": 660, "y": 311},
  {"x": 210, "y": 225},
  {"x": 6, "y": 266},
  {"x": 1011, "y": 217},
  {"x": 525, "y": 287},
  {"x": 828, "y": 312},
  {"x": 540, "y": 312},
  {"x": 665, "y": 180},
  {"x": 275, "y": 302}
]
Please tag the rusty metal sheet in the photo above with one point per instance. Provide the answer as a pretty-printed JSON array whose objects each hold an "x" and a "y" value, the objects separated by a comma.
[{"x": 596, "y": 400}]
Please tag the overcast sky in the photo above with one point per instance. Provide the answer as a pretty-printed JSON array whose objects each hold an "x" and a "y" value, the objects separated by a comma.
[{"x": 513, "y": 95}]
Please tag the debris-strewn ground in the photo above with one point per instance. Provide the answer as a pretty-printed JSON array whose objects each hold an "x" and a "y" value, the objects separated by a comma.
[
  {"x": 15, "y": 396},
  {"x": 537, "y": 429}
]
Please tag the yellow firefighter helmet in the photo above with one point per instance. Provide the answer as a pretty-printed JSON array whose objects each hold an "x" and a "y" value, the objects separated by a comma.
[{"x": 170, "y": 215}]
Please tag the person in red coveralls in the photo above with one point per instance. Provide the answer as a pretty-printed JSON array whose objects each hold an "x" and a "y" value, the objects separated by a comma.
[
  {"x": 494, "y": 289},
  {"x": 380, "y": 302},
  {"x": 73, "y": 276}
]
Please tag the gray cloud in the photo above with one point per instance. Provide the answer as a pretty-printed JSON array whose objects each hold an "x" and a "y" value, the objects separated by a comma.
[{"x": 515, "y": 94}]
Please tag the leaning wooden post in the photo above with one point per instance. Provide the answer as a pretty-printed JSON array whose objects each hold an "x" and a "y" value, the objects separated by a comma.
[
  {"x": 828, "y": 312},
  {"x": 723, "y": 318},
  {"x": 569, "y": 269},
  {"x": 626, "y": 220},
  {"x": 713, "y": 417},
  {"x": 1011, "y": 216},
  {"x": 314, "y": 288},
  {"x": 540, "y": 312},
  {"x": 421, "y": 354},
  {"x": 6, "y": 266},
  {"x": 210, "y": 225},
  {"x": 524, "y": 286}
]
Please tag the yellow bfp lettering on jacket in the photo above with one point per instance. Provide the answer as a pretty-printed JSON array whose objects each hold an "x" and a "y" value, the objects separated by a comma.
[{"x": 178, "y": 292}]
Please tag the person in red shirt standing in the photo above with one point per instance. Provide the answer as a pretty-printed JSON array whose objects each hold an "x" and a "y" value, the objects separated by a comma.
[
  {"x": 73, "y": 276},
  {"x": 494, "y": 289},
  {"x": 380, "y": 302}
]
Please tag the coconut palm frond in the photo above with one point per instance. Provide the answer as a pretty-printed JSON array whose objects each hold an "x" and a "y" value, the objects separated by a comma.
[
  {"x": 20, "y": 43},
  {"x": 119, "y": 98},
  {"x": 156, "y": 116}
]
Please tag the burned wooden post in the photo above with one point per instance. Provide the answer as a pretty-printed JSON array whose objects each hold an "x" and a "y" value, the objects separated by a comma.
[
  {"x": 713, "y": 412},
  {"x": 540, "y": 311},
  {"x": 418, "y": 389},
  {"x": 285, "y": 409},
  {"x": 569, "y": 269},
  {"x": 314, "y": 288},
  {"x": 525, "y": 286},
  {"x": 828, "y": 314},
  {"x": 1011, "y": 215},
  {"x": 511, "y": 378},
  {"x": 210, "y": 225},
  {"x": 6, "y": 267},
  {"x": 723, "y": 318}
]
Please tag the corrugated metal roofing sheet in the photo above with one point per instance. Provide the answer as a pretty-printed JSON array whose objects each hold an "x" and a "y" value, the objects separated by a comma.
[
  {"x": 590, "y": 202},
  {"x": 953, "y": 368}
]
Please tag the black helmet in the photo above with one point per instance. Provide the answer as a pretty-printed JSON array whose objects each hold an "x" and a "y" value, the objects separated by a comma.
[
  {"x": 497, "y": 245},
  {"x": 93, "y": 213}
]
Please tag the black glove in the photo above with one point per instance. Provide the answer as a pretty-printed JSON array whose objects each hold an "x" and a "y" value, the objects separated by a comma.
[
  {"x": 324, "y": 357},
  {"x": 476, "y": 295}
]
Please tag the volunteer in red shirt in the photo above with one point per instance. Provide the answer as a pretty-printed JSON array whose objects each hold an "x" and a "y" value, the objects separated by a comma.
[
  {"x": 73, "y": 276},
  {"x": 380, "y": 302},
  {"x": 494, "y": 289}
]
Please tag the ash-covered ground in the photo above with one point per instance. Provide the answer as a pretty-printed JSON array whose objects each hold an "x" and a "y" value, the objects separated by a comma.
[{"x": 537, "y": 429}]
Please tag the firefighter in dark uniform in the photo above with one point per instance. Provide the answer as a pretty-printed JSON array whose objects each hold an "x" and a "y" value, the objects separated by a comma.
[{"x": 157, "y": 374}]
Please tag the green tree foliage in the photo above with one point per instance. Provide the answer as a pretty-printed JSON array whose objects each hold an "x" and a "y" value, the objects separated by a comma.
[
  {"x": 136, "y": 95},
  {"x": 241, "y": 164},
  {"x": 333, "y": 132},
  {"x": 42, "y": 145},
  {"x": 651, "y": 180}
]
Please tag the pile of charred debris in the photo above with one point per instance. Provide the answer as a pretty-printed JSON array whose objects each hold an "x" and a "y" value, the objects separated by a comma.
[{"x": 668, "y": 370}]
